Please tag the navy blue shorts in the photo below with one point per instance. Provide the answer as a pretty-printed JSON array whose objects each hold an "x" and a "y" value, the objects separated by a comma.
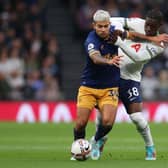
[{"x": 129, "y": 92}]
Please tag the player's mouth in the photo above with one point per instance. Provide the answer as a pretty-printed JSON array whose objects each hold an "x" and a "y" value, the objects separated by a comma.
[{"x": 103, "y": 35}]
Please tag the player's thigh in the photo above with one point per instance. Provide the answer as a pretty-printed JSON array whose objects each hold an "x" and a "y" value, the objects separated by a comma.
[
  {"x": 134, "y": 107},
  {"x": 108, "y": 104},
  {"x": 108, "y": 97},
  {"x": 86, "y": 98},
  {"x": 108, "y": 113}
]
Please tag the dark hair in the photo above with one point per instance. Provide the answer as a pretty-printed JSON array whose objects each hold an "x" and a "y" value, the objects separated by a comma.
[{"x": 156, "y": 15}]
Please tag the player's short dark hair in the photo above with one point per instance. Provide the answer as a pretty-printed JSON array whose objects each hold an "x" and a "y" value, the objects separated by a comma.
[{"x": 156, "y": 15}]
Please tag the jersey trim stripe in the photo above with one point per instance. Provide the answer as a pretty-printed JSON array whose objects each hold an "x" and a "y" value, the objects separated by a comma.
[
  {"x": 125, "y": 23},
  {"x": 128, "y": 56},
  {"x": 150, "y": 53}
]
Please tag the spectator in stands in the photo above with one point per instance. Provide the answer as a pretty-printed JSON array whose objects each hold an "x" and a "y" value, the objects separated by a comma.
[
  {"x": 163, "y": 85},
  {"x": 31, "y": 61},
  {"x": 51, "y": 90},
  {"x": 112, "y": 8},
  {"x": 16, "y": 74},
  {"x": 149, "y": 84},
  {"x": 23, "y": 36},
  {"x": 33, "y": 86},
  {"x": 49, "y": 66},
  {"x": 4, "y": 71},
  {"x": 54, "y": 51},
  {"x": 2, "y": 40},
  {"x": 84, "y": 16}
]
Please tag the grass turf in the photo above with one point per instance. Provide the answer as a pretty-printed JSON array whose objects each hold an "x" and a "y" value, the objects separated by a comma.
[{"x": 48, "y": 146}]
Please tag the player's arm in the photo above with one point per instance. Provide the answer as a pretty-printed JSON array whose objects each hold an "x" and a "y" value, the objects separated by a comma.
[
  {"x": 156, "y": 39},
  {"x": 98, "y": 59},
  {"x": 136, "y": 53}
]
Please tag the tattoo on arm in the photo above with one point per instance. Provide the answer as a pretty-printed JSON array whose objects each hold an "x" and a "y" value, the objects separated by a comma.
[{"x": 97, "y": 58}]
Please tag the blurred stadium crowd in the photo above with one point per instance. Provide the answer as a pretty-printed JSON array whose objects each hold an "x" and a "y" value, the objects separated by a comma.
[
  {"x": 29, "y": 54},
  {"x": 30, "y": 57}
]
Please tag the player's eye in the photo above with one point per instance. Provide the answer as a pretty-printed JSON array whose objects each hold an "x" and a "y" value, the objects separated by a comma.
[
  {"x": 105, "y": 26},
  {"x": 100, "y": 26}
]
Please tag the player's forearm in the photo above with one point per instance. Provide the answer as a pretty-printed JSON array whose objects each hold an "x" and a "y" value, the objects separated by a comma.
[
  {"x": 98, "y": 59},
  {"x": 132, "y": 54},
  {"x": 136, "y": 35}
]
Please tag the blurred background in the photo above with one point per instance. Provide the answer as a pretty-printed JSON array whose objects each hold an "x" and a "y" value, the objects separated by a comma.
[
  {"x": 42, "y": 53},
  {"x": 41, "y": 59}
]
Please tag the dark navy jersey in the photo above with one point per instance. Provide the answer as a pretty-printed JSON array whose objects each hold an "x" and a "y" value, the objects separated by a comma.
[{"x": 100, "y": 76}]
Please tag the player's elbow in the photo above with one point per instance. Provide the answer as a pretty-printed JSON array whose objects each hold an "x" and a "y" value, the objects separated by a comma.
[{"x": 139, "y": 58}]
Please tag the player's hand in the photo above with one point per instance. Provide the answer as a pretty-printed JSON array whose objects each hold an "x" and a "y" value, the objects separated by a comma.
[
  {"x": 159, "y": 39},
  {"x": 112, "y": 38},
  {"x": 116, "y": 60}
]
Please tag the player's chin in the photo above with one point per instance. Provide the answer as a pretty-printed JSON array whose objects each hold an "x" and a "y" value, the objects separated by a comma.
[{"x": 103, "y": 35}]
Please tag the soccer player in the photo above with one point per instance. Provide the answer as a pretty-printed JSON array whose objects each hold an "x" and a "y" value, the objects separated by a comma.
[
  {"x": 136, "y": 54},
  {"x": 96, "y": 86}
]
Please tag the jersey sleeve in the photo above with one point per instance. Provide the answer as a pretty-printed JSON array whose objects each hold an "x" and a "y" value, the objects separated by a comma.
[
  {"x": 120, "y": 20},
  {"x": 132, "y": 24},
  {"x": 91, "y": 46},
  {"x": 136, "y": 54},
  {"x": 154, "y": 50},
  {"x": 135, "y": 24}
]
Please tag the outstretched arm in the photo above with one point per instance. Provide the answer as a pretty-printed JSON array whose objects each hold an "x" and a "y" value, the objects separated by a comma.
[
  {"x": 135, "y": 35},
  {"x": 142, "y": 54},
  {"x": 156, "y": 39}
]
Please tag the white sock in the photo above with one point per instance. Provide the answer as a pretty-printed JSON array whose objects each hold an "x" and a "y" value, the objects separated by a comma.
[{"x": 142, "y": 127}]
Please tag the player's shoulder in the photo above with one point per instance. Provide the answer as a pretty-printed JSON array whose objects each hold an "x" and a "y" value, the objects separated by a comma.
[
  {"x": 92, "y": 38},
  {"x": 135, "y": 20},
  {"x": 117, "y": 25}
]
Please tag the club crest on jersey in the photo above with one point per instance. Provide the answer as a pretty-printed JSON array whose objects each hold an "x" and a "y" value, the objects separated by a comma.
[
  {"x": 102, "y": 47},
  {"x": 90, "y": 46}
]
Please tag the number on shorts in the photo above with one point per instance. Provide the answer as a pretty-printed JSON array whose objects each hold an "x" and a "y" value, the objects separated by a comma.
[{"x": 133, "y": 92}]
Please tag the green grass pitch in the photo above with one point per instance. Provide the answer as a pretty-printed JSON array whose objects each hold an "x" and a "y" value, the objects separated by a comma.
[{"x": 48, "y": 146}]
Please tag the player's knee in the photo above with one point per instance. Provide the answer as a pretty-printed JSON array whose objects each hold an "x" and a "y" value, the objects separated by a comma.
[
  {"x": 106, "y": 121},
  {"x": 139, "y": 120},
  {"x": 81, "y": 124}
]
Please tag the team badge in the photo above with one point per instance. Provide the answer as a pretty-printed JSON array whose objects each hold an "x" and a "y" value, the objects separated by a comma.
[{"x": 90, "y": 46}]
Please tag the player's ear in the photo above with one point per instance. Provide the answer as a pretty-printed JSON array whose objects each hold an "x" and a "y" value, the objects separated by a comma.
[{"x": 93, "y": 24}]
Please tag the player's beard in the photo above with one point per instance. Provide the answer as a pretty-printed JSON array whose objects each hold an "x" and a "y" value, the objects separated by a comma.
[{"x": 103, "y": 35}]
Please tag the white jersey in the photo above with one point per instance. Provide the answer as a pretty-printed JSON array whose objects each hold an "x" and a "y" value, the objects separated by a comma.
[
  {"x": 136, "y": 54},
  {"x": 133, "y": 24}
]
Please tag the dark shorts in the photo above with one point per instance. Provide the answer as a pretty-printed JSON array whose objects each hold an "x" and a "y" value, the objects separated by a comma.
[{"x": 129, "y": 92}]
